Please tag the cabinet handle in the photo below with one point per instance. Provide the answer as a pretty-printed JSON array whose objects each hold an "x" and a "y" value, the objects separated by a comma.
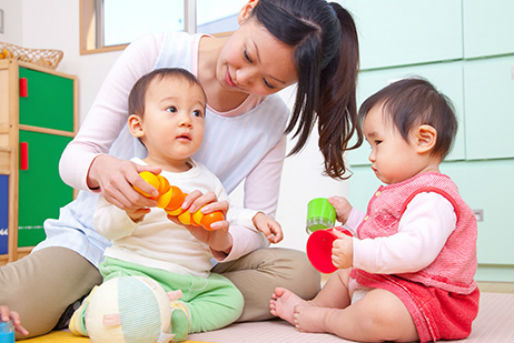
[
  {"x": 24, "y": 155},
  {"x": 24, "y": 91}
]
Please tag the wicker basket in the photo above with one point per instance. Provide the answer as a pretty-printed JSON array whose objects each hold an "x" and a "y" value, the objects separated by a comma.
[{"x": 48, "y": 58}]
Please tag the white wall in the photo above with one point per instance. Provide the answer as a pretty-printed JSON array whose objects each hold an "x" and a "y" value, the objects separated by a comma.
[{"x": 55, "y": 24}]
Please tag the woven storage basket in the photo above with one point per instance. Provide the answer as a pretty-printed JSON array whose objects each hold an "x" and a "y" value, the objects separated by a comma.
[{"x": 48, "y": 58}]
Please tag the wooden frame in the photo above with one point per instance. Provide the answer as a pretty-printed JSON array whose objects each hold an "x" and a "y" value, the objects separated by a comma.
[
  {"x": 9, "y": 142},
  {"x": 89, "y": 35},
  {"x": 88, "y": 28}
]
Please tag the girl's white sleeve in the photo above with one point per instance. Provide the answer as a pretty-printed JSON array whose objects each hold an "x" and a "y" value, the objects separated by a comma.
[
  {"x": 108, "y": 114},
  {"x": 423, "y": 230}
]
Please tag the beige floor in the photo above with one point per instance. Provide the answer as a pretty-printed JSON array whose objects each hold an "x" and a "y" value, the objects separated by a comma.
[{"x": 494, "y": 324}]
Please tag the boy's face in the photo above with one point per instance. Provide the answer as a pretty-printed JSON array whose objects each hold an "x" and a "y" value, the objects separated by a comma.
[
  {"x": 393, "y": 159},
  {"x": 172, "y": 126}
]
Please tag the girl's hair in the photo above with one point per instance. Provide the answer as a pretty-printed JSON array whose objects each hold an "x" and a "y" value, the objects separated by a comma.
[
  {"x": 412, "y": 102},
  {"x": 136, "y": 100},
  {"x": 327, "y": 60}
]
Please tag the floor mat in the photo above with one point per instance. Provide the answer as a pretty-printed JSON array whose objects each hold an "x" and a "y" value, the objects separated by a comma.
[
  {"x": 68, "y": 337},
  {"x": 494, "y": 324}
]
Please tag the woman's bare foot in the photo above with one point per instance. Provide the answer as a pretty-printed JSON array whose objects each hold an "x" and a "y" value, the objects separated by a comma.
[
  {"x": 283, "y": 303},
  {"x": 310, "y": 318}
]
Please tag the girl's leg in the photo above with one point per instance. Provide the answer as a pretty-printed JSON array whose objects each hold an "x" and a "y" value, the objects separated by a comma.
[
  {"x": 334, "y": 294},
  {"x": 257, "y": 275},
  {"x": 41, "y": 285},
  {"x": 379, "y": 316}
]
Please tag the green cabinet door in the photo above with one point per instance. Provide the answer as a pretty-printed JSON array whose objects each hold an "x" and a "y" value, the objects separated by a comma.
[
  {"x": 489, "y": 106},
  {"x": 487, "y": 187},
  {"x": 488, "y": 27},
  {"x": 49, "y": 101},
  {"x": 41, "y": 190},
  {"x": 401, "y": 32}
]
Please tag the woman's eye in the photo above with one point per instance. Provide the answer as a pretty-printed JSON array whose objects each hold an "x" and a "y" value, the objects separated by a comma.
[
  {"x": 267, "y": 84},
  {"x": 377, "y": 142},
  {"x": 247, "y": 57},
  {"x": 171, "y": 109}
]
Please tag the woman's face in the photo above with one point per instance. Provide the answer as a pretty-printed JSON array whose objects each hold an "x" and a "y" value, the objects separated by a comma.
[{"x": 255, "y": 62}]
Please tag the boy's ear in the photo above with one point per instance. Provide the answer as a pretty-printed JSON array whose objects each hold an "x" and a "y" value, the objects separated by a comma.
[
  {"x": 135, "y": 125},
  {"x": 247, "y": 9},
  {"x": 425, "y": 138}
]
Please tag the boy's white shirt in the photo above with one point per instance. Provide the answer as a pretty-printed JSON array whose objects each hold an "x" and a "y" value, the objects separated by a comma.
[
  {"x": 424, "y": 227},
  {"x": 156, "y": 241}
]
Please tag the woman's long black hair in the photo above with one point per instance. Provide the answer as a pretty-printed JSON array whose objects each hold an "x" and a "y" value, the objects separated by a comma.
[{"x": 327, "y": 61}]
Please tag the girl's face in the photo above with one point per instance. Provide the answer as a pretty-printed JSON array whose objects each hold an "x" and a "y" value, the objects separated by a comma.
[
  {"x": 393, "y": 159},
  {"x": 254, "y": 61},
  {"x": 172, "y": 126}
]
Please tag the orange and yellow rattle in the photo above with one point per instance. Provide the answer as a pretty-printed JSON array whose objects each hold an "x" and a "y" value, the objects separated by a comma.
[{"x": 171, "y": 198}]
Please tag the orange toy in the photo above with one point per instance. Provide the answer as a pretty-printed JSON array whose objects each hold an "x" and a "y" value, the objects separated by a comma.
[{"x": 171, "y": 197}]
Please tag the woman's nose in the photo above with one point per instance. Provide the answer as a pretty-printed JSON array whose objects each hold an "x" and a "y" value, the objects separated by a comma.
[{"x": 246, "y": 76}]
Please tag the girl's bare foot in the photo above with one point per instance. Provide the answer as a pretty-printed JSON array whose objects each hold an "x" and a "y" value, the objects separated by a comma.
[
  {"x": 283, "y": 303},
  {"x": 310, "y": 318}
]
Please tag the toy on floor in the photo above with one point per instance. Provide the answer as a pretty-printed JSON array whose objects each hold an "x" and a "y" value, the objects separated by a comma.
[
  {"x": 171, "y": 197},
  {"x": 130, "y": 309},
  {"x": 6, "y": 332},
  {"x": 319, "y": 248},
  {"x": 320, "y": 215}
]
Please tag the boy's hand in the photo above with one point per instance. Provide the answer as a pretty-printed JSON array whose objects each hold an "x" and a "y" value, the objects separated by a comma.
[
  {"x": 342, "y": 207},
  {"x": 342, "y": 251},
  {"x": 268, "y": 226},
  {"x": 6, "y": 315},
  {"x": 137, "y": 215}
]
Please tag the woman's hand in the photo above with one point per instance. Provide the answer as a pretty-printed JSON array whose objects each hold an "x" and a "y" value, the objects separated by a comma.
[
  {"x": 115, "y": 178},
  {"x": 268, "y": 226},
  {"x": 342, "y": 206},
  {"x": 342, "y": 250},
  {"x": 6, "y": 315},
  {"x": 219, "y": 239}
]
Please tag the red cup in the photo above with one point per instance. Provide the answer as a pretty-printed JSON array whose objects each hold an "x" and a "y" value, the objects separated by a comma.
[{"x": 319, "y": 248}]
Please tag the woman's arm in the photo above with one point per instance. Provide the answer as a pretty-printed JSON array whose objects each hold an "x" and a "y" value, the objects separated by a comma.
[
  {"x": 262, "y": 185},
  {"x": 108, "y": 114}
]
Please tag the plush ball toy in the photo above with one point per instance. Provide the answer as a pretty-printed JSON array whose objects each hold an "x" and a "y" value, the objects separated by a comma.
[{"x": 129, "y": 309}]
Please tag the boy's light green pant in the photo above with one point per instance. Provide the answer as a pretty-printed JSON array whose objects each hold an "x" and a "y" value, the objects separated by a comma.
[{"x": 213, "y": 302}]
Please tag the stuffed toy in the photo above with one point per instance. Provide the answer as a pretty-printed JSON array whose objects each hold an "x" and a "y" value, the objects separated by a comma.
[{"x": 130, "y": 309}]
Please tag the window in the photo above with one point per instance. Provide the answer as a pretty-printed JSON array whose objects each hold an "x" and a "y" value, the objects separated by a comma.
[{"x": 111, "y": 24}]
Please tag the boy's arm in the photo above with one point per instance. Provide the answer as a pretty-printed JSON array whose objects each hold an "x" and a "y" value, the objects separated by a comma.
[
  {"x": 112, "y": 222},
  {"x": 423, "y": 230}
]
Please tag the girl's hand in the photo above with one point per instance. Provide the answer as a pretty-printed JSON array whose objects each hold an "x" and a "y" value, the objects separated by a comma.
[
  {"x": 6, "y": 315},
  {"x": 342, "y": 251},
  {"x": 342, "y": 207},
  {"x": 268, "y": 226},
  {"x": 219, "y": 239},
  {"x": 115, "y": 178}
]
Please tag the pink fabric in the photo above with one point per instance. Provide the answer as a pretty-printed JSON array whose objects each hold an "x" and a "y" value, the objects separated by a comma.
[
  {"x": 454, "y": 268},
  {"x": 437, "y": 314}
]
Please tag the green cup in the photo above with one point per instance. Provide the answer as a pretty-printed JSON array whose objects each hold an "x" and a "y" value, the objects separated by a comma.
[{"x": 320, "y": 215}]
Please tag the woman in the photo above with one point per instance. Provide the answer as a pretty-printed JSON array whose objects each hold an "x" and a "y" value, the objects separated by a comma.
[{"x": 279, "y": 42}]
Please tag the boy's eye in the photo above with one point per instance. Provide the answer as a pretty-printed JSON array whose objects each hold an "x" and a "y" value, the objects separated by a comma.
[
  {"x": 171, "y": 109},
  {"x": 198, "y": 113},
  {"x": 247, "y": 57}
]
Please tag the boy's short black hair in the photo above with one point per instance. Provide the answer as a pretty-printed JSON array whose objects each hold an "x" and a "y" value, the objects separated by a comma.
[
  {"x": 414, "y": 101},
  {"x": 136, "y": 100}
]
